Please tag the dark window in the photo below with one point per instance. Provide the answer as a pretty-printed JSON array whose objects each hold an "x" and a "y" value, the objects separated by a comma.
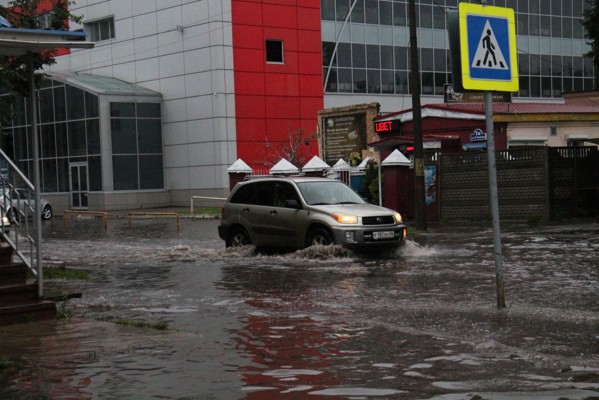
[
  {"x": 77, "y": 139},
  {"x": 358, "y": 52},
  {"x": 359, "y": 81},
  {"x": 49, "y": 178},
  {"x": 373, "y": 56},
  {"x": 274, "y": 51},
  {"x": 150, "y": 136},
  {"x": 327, "y": 53},
  {"x": 48, "y": 141},
  {"x": 400, "y": 14},
  {"x": 60, "y": 109},
  {"x": 93, "y": 136},
  {"x": 150, "y": 172},
  {"x": 372, "y": 11},
  {"x": 124, "y": 140},
  {"x": 243, "y": 195},
  {"x": 122, "y": 110},
  {"x": 75, "y": 103},
  {"x": 327, "y": 10},
  {"x": 386, "y": 13},
  {"x": 357, "y": 14},
  {"x": 95, "y": 173},
  {"x": 374, "y": 81},
  {"x": 341, "y": 9},
  {"x": 126, "y": 173}
]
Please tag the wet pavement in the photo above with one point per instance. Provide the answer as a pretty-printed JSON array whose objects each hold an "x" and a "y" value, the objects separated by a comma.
[{"x": 320, "y": 323}]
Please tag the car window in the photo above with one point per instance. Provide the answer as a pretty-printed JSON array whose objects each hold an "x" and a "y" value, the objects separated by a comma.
[
  {"x": 333, "y": 192},
  {"x": 243, "y": 195},
  {"x": 284, "y": 192},
  {"x": 256, "y": 193}
]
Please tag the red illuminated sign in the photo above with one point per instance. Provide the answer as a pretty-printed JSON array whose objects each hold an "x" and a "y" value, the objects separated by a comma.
[{"x": 385, "y": 126}]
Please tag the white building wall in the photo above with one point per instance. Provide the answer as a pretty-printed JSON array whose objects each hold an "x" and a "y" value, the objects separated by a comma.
[{"x": 182, "y": 49}]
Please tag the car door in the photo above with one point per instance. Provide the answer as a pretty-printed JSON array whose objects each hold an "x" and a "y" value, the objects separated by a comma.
[{"x": 283, "y": 216}]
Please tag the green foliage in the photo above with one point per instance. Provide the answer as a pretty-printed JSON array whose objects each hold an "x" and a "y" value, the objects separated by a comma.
[
  {"x": 371, "y": 182},
  {"x": 6, "y": 362},
  {"x": 161, "y": 326},
  {"x": 14, "y": 70},
  {"x": 65, "y": 273},
  {"x": 590, "y": 21}
]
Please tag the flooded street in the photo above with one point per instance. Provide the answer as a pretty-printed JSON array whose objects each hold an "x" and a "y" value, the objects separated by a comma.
[{"x": 320, "y": 323}]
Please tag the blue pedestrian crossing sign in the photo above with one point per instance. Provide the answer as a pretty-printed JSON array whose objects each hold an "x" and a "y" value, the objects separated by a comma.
[{"x": 488, "y": 48}]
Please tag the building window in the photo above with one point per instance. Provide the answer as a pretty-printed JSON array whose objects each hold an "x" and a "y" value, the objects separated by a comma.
[
  {"x": 274, "y": 51},
  {"x": 99, "y": 30},
  {"x": 136, "y": 131}
]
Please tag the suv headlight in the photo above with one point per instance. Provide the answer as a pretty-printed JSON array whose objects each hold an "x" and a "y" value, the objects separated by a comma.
[
  {"x": 345, "y": 218},
  {"x": 397, "y": 217}
]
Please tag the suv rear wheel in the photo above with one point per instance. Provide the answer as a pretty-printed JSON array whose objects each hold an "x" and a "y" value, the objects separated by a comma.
[
  {"x": 319, "y": 236},
  {"x": 238, "y": 237}
]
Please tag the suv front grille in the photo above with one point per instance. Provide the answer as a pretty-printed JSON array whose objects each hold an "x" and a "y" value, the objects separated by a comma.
[{"x": 381, "y": 220}]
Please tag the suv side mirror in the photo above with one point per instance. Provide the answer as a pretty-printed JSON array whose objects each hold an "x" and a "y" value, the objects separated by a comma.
[{"x": 292, "y": 203}]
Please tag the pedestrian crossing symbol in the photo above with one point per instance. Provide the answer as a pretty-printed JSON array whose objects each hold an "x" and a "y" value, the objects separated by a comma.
[{"x": 488, "y": 48}]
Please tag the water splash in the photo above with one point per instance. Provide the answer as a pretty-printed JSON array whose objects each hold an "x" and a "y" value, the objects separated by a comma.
[{"x": 416, "y": 250}]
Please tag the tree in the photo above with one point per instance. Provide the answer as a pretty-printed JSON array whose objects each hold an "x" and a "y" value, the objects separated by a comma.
[
  {"x": 14, "y": 70},
  {"x": 296, "y": 151},
  {"x": 590, "y": 21}
]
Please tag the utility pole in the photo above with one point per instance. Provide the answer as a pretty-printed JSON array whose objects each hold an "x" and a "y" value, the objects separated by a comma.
[{"x": 419, "y": 194}]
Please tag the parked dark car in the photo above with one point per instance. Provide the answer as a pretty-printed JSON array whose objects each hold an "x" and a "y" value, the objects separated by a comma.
[{"x": 297, "y": 212}]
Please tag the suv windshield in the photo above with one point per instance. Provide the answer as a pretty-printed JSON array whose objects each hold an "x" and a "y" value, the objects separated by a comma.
[{"x": 322, "y": 193}]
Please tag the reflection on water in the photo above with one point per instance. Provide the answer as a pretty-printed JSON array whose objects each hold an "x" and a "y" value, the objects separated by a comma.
[{"x": 321, "y": 323}]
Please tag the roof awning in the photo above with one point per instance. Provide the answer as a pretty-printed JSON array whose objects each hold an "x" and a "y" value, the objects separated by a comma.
[{"x": 474, "y": 146}]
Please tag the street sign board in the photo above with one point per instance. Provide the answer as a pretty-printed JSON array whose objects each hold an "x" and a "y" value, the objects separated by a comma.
[{"x": 488, "y": 48}]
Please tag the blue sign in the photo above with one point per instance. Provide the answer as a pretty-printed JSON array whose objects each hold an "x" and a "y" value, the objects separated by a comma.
[
  {"x": 478, "y": 135},
  {"x": 488, "y": 42}
]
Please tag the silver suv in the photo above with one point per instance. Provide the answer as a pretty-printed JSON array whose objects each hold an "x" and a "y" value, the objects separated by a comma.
[{"x": 297, "y": 212}]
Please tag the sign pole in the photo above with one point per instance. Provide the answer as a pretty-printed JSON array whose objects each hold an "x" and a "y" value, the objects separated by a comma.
[{"x": 494, "y": 199}]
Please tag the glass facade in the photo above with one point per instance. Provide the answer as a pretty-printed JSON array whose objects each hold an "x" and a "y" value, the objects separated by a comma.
[
  {"x": 373, "y": 48},
  {"x": 136, "y": 146},
  {"x": 69, "y": 132}
]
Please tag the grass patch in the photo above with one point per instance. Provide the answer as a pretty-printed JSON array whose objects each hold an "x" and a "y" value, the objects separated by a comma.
[
  {"x": 65, "y": 273},
  {"x": 160, "y": 326},
  {"x": 6, "y": 362}
]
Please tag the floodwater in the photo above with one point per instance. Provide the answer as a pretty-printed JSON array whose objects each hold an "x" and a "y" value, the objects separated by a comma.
[{"x": 315, "y": 324}]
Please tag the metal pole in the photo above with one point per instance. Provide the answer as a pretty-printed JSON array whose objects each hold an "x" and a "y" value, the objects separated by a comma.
[
  {"x": 419, "y": 194},
  {"x": 36, "y": 180},
  {"x": 494, "y": 200}
]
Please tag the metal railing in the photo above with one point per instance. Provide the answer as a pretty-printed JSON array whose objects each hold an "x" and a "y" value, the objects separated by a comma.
[
  {"x": 17, "y": 204},
  {"x": 93, "y": 214}
]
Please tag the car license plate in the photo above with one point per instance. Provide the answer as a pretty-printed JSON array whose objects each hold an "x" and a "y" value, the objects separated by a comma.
[{"x": 383, "y": 235}]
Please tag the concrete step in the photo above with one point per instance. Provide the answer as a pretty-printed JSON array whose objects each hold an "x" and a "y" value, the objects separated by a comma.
[
  {"x": 6, "y": 253},
  {"x": 13, "y": 274},
  {"x": 27, "y": 312},
  {"x": 18, "y": 294}
]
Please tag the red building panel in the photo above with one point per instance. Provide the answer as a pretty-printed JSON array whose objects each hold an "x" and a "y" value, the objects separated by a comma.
[
  {"x": 311, "y": 85},
  {"x": 283, "y": 85},
  {"x": 291, "y": 94},
  {"x": 246, "y": 13},
  {"x": 250, "y": 83},
  {"x": 248, "y": 37},
  {"x": 309, "y": 41},
  {"x": 248, "y": 106},
  {"x": 281, "y": 16},
  {"x": 310, "y": 17}
]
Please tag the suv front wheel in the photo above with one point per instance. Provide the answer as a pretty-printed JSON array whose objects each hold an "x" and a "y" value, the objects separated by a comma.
[
  {"x": 238, "y": 237},
  {"x": 319, "y": 236}
]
